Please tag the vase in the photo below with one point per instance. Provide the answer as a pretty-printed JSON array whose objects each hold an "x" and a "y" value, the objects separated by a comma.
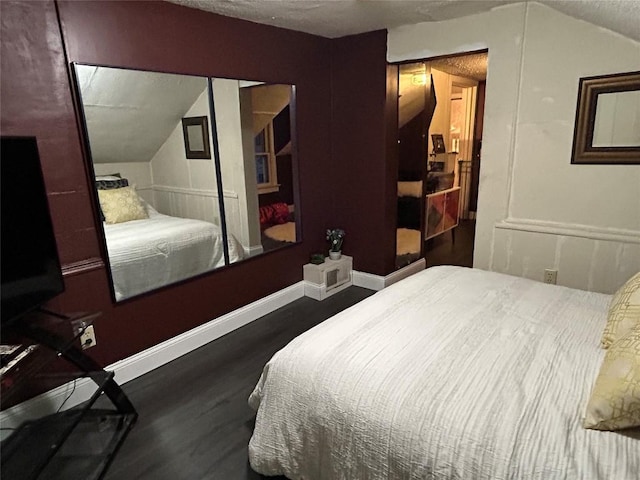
[{"x": 335, "y": 255}]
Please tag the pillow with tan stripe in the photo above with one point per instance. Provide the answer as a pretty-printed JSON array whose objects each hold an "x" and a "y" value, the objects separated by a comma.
[
  {"x": 615, "y": 400},
  {"x": 624, "y": 311}
]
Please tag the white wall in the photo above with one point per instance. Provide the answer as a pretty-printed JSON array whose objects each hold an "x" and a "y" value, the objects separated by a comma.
[
  {"x": 242, "y": 213},
  {"x": 535, "y": 209},
  {"x": 185, "y": 187}
]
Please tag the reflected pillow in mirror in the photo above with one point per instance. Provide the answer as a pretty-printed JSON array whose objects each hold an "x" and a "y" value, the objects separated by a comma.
[
  {"x": 107, "y": 182},
  {"x": 121, "y": 205},
  {"x": 274, "y": 214},
  {"x": 110, "y": 182}
]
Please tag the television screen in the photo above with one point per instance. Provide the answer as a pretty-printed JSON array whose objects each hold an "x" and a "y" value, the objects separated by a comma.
[{"x": 31, "y": 272}]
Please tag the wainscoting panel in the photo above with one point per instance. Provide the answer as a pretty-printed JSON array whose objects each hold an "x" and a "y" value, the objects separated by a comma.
[{"x": 587, "y": 258}]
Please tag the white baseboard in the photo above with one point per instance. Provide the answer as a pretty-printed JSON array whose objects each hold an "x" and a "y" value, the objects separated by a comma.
[
  {"x": 156, "y": 356},
  {"x": 377, "y": 282},
  {"x": 152, "y": 358},
  {"x": 570, "y": 230},
  {"x": 253, "y": 251},
  {"x": 367, "y": 280},
  {"x": 405, "y": 272}
]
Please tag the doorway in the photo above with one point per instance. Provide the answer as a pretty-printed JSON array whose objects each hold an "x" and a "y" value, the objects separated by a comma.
[{"x": 455, "y": 152}]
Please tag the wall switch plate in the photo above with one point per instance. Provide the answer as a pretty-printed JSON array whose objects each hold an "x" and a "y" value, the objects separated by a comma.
[
  {"x": 88, "y": 338},
  {"x": 550, "y": 276}
]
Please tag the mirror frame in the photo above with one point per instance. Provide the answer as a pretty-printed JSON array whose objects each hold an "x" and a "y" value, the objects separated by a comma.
[
  {"x": 203, "y": 125},
  {"x": 589, "y": 88}
]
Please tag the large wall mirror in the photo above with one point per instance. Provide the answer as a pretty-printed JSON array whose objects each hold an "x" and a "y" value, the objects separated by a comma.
[
  {"x": 607, "y": 128},
  {"x": 168, "y": 214}
]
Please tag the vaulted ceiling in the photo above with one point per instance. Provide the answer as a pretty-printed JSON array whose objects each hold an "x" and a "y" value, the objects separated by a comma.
[{"x": 337, "y": 18}]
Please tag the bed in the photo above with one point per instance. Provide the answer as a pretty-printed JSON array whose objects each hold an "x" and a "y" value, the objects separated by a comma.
[
  {"x": 160, "y": 250},
  {"x": 452, "y": 373}
]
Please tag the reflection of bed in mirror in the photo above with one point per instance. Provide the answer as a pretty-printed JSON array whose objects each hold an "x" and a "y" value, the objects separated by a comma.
[
  {"x": 160, "y": 250},
  {"x": 134, "y": 124}
]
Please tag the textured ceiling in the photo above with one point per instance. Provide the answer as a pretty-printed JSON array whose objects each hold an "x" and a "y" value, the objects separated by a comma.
[
  {"x": 470, "y": 66},
  {"x": 337, "y": 18},
  {"x": 130, "y": 113}
]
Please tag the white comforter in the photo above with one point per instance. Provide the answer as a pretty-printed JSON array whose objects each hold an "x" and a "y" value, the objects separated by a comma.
[
  {"x": 160, "y": 250},
  {"x": 450, "y": 374}
]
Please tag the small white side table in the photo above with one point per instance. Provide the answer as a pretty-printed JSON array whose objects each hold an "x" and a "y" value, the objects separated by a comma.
[{"x": 325, "y": 279}]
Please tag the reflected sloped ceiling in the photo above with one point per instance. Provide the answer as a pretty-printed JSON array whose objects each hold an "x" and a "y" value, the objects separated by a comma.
[{"x": 131, "y": 113}]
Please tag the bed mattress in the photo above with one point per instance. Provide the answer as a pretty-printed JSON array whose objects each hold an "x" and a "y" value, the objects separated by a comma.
[
  {"x": 452, "y": 373},
  {"x": 160, "y": 250}
]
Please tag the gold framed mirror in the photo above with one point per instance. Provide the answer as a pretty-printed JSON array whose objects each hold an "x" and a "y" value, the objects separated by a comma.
[{"x": 607, "y": 127}]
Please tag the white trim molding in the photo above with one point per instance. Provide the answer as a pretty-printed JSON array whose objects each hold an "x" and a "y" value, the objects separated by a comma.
[
  {"x": 151, "y": 358},
  {"x": 570, "y": 230},
  {"x": 194, "y": 191},
  {"x": 378, "y": 282}
]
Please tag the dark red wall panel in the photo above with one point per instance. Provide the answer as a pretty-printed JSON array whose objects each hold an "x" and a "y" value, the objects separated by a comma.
[
  {"x": 364, "y": 181},
  {"x": 36, "y": 101}
]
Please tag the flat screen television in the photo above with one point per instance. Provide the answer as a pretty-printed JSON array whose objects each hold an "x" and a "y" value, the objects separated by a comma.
[{"x": 31, "y": 272}]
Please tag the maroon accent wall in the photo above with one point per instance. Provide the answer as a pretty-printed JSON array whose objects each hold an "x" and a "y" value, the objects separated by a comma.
[
  {"x": 36, "y": 100},
  {"x": 345, "y": 186},
  {"x": 364, "y": 178}
]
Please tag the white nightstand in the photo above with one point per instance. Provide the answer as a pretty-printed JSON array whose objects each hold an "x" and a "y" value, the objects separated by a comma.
[{"x": 327, "y": 278}]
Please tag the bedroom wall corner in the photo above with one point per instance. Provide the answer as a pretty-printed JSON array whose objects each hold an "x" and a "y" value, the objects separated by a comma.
[{"x": 535, "y": 209}]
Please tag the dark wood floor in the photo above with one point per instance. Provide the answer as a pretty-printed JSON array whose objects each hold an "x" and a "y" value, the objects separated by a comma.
[
  {"x": 194, "y": 421},
  {"x": 441, "y": 250}
]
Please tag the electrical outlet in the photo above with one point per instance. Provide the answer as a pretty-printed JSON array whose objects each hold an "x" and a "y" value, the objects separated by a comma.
[
  {"x": 88, "y": 338},
  {"x": 550, "y": 276}
]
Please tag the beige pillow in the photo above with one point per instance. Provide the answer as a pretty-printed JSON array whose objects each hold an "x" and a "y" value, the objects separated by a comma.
[
  {"x": 615, "y": 399},
  {"x": 624, "y": 311},
  {"x": 121, "y": 205}
]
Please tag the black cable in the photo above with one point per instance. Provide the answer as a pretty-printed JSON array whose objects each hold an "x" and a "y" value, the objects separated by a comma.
[{"x": 68, "y": 396}]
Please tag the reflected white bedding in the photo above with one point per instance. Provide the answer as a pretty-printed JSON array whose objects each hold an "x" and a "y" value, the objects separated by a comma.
[
  {"x": 160, "y": 250},
  {"x": 452, "y": 373}
]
